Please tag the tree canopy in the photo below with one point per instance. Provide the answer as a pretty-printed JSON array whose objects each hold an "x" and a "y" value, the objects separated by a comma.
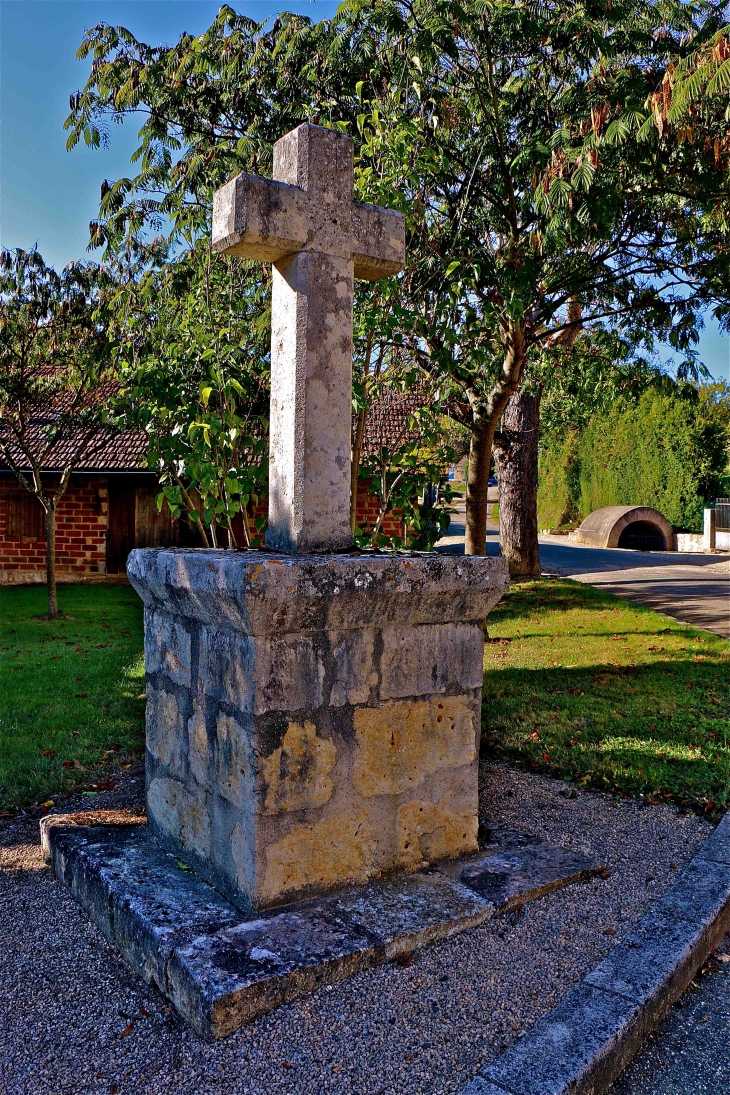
[{"x": 549, "y": 155}]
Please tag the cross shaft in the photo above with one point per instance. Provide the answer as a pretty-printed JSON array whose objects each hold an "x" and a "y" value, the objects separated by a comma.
[{"x": 319, "y": 239}]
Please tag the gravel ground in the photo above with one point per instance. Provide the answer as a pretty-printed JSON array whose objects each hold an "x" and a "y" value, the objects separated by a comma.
[{"x": 74, "y": 1019}]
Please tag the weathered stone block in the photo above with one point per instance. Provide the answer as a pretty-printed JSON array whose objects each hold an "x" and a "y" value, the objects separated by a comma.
[
  {"x": 315, "y": 722},
  {"x": 580, "y": 1046},
  {"x": 425, "y": 660},
  {"x": 167, "y": 648},
  {"x": 221, "y": 969},
  {"x": 399, "y": 744},
  {"x": 656, "y": 962},
  {"x": 165, "y": 740},
  {"x": 297, "y": 774}
]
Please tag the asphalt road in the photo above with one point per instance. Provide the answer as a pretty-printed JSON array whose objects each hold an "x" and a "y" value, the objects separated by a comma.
[
  {"x": 689, "y": 1053},
  {"x": 692, "y": 588}
]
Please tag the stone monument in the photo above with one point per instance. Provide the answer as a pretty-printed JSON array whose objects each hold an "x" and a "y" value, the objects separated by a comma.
[
  {"x": 313, "y": 717},
  {"x": 313, "y": 712}
]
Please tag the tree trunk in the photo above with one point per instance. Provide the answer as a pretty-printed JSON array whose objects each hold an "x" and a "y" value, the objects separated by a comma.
[
  {"x": 480, "y": 455},
  {"x": 515, "y": 451},
  {"x": 51, "y": 562},
  {"x": 355, "y": 467}
]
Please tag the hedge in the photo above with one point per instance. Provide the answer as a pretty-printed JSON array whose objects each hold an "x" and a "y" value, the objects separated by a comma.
[{"x": 665, "y": 451}]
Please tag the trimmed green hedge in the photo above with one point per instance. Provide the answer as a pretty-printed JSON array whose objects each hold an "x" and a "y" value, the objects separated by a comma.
[{"x": 665, "y": 451}]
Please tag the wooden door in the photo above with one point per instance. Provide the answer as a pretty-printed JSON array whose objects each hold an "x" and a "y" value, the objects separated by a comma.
[
  {"x": 154, "y": 526},
  {"x": 122, "y": 518}
]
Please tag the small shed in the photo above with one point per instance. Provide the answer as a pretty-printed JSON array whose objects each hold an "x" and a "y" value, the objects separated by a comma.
[{"x": 637, "y": 527}]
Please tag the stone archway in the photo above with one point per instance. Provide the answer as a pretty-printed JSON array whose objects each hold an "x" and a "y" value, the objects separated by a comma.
[{"x": 636, "y": 527}]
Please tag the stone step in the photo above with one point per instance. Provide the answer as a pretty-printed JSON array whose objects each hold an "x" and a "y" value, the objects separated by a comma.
[{"x": 222, "y": 969}]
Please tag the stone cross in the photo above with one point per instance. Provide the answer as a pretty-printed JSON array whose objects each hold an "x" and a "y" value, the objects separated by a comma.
[{"x": 306, "y": 223}]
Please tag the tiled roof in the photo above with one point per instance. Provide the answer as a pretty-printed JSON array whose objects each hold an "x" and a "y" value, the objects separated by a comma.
[{"x": 386, "y": 427}]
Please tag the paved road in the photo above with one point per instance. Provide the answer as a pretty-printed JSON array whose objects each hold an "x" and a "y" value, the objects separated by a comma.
[{"x": 691, "y": 588}]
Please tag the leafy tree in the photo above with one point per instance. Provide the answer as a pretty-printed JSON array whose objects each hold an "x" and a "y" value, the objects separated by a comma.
[
  {"x": 212, "y": 107},
  {"x": 528, "y": 140},
  {"x": 551, "y": 181},
  {"x": 53, "y": 359},
  {"x": 193, "y": 362}
]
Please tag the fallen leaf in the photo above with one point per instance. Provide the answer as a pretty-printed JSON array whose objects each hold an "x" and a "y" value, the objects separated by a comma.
[
  {"x": 546, "y": 758},
  {"x": 144, "y": 1013},
  {"x": 48, "y": 753},
  {"x": 723, "y": 957},
  {"x": 127, "y": 1030},
  {"x": 609, "y": 931},
  {"x": 605, "y": 874},
  {"x": 672, "y": 866},
  {"x": 404, "y": 959},
  {"x": 47, "y": 805},
  {"x": 285, "y": 1064}
]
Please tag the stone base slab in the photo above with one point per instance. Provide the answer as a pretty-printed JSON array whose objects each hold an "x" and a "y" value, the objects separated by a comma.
[{"x": 221, "y": 969}]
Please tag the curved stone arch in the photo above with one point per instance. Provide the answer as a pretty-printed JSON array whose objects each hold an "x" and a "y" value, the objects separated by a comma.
[{"x": 603, "y": 527}]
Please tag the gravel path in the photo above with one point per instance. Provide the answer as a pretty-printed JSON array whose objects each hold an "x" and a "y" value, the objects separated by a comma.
[{"x": 73, "y": 1019}]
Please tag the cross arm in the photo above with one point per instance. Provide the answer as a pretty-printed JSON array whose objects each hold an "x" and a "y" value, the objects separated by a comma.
[
  {"x": 379, "y": 241},
  {"x": 259, "y": 218}
]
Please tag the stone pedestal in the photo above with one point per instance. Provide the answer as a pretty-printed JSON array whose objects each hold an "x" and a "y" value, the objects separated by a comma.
[{"x": 312, "y": 721}]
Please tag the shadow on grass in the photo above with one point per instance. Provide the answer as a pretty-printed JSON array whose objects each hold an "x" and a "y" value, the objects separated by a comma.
[
  {"x": 659, "y": 730},
  {"x": 628, "y": 717}
]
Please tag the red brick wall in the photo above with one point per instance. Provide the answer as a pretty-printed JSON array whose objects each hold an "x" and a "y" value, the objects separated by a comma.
[
  {"x": 82, "y": 525},
  {"x": 367, "y": 513},
  {"x": 80, "y": 534}
]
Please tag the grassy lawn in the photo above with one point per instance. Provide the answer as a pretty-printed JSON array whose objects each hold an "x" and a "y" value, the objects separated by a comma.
[
  {"x": 593, "y": 688},
  {"x": 71, "y": 690}
]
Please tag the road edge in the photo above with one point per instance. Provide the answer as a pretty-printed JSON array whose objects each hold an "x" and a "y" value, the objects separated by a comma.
[{"x": 583, "y": 1045}]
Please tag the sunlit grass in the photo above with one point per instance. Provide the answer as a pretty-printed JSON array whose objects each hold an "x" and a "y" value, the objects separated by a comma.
[
  {"x": 610, "y": 694},
  {"x": 71, "y": 690}
]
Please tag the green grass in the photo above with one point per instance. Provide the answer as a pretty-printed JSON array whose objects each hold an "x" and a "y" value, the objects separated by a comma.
[
  {"x": 71, "y": 690},
  {"x": 593, "y": 688}
]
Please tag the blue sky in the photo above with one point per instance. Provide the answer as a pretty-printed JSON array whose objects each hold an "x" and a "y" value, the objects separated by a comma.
[{"x": 49, "y": 195}]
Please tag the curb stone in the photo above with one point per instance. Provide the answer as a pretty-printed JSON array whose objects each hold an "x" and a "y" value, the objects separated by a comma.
[{"x": 583, "y": 1045}]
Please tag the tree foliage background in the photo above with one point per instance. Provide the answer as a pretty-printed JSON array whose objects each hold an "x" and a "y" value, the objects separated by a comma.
[
  {"x": 547, "y": 154},
  {"x": 667, "y": 449}
]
